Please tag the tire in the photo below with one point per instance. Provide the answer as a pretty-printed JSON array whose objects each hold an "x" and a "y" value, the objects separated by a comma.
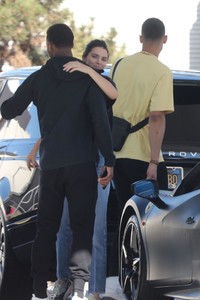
[
  {"x": 3, "y": 251},
  {"x": 133, "y": 263},
  {"x": 15, "y": 280}
]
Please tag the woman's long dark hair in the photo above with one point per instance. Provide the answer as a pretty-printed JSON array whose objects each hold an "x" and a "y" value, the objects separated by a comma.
[{"x": 93, "y": 44}]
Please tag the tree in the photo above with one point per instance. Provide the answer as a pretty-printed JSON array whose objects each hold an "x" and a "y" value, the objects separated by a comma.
[
  {"x": 84, "y": 35},
  {"x": 23, "y": 26},
  {"x": 23, "y": 31},
  {"x": 115, "y": 52}
]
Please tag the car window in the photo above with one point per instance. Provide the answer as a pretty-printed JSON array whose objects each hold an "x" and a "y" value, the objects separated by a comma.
[
  {"x": 2, "y": 82},
  {"x": 183, "y": 126},
  {"x": 22, "y": 127},
  {"x": 9, "y": 88}
]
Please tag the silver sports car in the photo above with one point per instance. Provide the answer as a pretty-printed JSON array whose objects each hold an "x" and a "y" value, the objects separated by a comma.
[{"x": 159, "y": 247}]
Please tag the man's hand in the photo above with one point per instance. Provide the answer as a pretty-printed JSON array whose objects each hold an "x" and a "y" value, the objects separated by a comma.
[
  {"x": 31, "y": 161},
  {"x": 152, "y": 171}
]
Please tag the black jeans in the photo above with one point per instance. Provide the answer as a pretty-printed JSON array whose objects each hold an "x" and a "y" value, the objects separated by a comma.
[
  {"x": 126, "y": 172},
  {"x": 78, "y": 183}
]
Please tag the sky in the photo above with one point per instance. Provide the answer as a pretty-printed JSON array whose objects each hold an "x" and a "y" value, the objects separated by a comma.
[{"x": 127, "y": 16}]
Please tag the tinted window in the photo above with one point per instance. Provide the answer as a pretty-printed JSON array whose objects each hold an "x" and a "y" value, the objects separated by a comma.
[
  {"x": 1, "y": 84},
  {"x": 24, "y": 126},
  {"x": 183, "y": 126}
]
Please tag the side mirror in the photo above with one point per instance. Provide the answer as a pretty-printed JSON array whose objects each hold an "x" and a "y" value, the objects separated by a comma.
[
  {"x": 149, "y": 190},
  {"x": 4, "y": 188},
  {"x": 145, "y": 188}
]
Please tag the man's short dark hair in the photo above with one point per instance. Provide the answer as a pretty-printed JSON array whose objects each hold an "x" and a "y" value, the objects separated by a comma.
[
  {"x": 60, "y": 35},
  {"x": 153, "y": 29}
]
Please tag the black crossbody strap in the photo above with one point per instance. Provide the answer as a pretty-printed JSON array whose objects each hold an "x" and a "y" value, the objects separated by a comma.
[
  {"x": 139, "y": 125},
  {"x": 115, "y": 66}
]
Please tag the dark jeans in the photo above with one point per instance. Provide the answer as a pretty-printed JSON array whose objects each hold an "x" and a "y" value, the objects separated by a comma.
[
  {"x": 78, "y": 183},
  {"x": 127, "y": 171}
]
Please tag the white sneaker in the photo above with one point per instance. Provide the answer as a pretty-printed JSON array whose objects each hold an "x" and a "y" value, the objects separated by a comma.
[
  {"x": 59, "y": 288},
  {"x": 36, "y": 298},
  {"x": 76, "y": 297},
  {"x": 113, "y": 289},
  {"x": 93, "y": 296}
]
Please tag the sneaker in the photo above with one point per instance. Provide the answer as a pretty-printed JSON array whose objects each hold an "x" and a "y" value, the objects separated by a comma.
[
  {"x": 69, "y": 290},
  {"x": 36, "y": 298},
  {"x": 57, "y": 290},
  {"x": 93, "y": 296},
  {"x": 113, "y": 290},
  {"x": 76, "y": 297}
]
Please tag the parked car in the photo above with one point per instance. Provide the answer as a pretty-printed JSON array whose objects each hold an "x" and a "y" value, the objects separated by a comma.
[
  {"x": 19, "y": 186},
  {"x": 18, "y": 189},
  {"x": 181, "y": 146},
  {"x": 159, "y": 241},
  {"x": 159, "y": 250}
]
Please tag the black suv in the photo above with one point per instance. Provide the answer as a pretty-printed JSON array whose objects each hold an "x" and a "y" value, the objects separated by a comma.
[
  {"x": 181, "y": 146},
  {"x": 19, "y": 186}
]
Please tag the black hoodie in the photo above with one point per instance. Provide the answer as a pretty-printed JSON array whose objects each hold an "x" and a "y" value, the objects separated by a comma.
[{"x": 71, "y": 112}]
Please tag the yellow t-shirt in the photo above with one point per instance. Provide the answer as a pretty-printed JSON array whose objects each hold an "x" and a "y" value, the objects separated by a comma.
[{"x": 144, "y": 84}]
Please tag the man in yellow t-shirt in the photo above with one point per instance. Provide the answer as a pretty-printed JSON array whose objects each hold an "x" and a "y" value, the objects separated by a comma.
[{"x": 145, "y": 89}]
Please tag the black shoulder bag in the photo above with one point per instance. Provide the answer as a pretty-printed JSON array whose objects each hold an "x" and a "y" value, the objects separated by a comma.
[{"x": 122, "y": 128}]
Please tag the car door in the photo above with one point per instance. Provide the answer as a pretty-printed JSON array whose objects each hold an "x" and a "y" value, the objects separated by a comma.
[{"x": 17, "y": 137}]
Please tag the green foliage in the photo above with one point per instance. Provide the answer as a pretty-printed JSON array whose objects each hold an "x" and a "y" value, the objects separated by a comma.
[
  {"x": 23, "y": 31},
  {"x": 84, "y": 35},
  {"x": 115, "y": 52},
  {"x": 23, "y": 28}
]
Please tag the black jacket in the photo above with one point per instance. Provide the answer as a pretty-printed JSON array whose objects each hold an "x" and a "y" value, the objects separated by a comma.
[{"x": 71, "y": 112}]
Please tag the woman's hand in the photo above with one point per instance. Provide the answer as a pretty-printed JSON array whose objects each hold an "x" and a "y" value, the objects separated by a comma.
[
  {"x": 31, "y": 161},
  {"x": 105, "y": 178},
  {"x": 76, "y": 66}
]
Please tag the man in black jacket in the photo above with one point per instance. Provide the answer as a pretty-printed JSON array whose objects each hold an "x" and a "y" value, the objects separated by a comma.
[{"x": 72, "y": 114}]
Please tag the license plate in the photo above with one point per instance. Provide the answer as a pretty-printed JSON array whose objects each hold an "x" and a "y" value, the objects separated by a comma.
[{"x": 175, "y": 176}]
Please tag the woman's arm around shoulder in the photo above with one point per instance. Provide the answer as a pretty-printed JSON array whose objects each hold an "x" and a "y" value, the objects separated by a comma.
[{"x": 107, "y": 87}]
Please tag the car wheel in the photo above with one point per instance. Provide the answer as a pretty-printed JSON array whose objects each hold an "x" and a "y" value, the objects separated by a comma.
[
  {"x": 2, "y": 249},
  {"x": 7, "y": 259},
  {"x": 8, "y": 265},
  {"x": 133, "y": 263}
]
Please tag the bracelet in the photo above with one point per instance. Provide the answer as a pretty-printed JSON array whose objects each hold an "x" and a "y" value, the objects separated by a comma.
[{"x": 155, "y": 162}]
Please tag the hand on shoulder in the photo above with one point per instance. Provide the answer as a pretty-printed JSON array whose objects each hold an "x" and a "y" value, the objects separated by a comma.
[{"x": 76, "y": 66}]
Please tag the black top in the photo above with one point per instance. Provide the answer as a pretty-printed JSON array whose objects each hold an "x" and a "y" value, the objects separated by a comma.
[
  {"x": 71, "y": 111},
  {"x": 109, "y": 102}
]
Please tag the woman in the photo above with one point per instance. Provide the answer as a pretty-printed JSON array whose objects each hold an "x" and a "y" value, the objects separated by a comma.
[{"x": 95, "y": 58}]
